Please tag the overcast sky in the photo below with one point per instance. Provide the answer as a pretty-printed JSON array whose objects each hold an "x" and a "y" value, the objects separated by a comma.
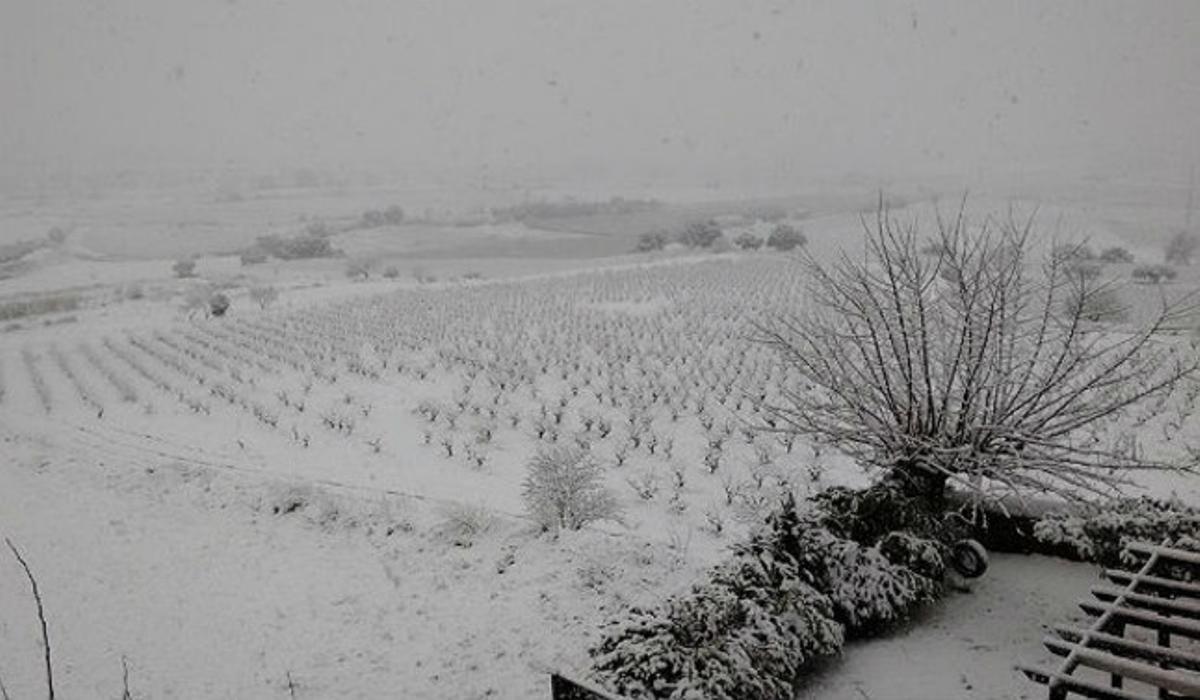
[{"x": 612, "y": 90}]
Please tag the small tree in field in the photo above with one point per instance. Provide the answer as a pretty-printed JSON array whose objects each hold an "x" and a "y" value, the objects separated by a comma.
[
  {"x": 700, "y": 234},
  {"x": 195, "y": 300},
  {"x": 184, "y": 269},
  {"x": 1116, "y": 254},
  {"x": 651, "y": 241},
  {"x": 748, "y": 241},
  {"x": 1182, "y": 248},
  {"x": 393, "y": 215},
  {"x": 786, "y": 237},
  {"x": 218, "y": 304},
  {"x": 564, "y": 489},
  {"x": 976, "y": 364},
  {"x": 358, "y": 269},
  {"x": 264, "y": 296}
]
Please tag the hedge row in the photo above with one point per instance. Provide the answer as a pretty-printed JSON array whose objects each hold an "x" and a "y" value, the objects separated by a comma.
[
  {"x": 1093, "y": 534},
  {"x": 790, "y": 595}
]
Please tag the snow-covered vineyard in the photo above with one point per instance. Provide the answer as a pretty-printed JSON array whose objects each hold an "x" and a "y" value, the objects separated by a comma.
[
  {"x": 409, "y": 420},
  {"x": 448, "y": 391}
]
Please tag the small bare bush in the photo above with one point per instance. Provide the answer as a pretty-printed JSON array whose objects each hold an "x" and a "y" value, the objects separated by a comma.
[
  {"x": 786, "y": 237},
  {"x": 564, "y": 489},
  {"x": 465, "y": 524},
  {"x": 263, "y": 296},
  {"x": 184, "y": 268},
  {"x": 1182, "y": 248},
  {"x": 358, "y": 269}
]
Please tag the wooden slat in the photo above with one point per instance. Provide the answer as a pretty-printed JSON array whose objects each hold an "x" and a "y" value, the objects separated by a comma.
[
  {"x": 1170, "y": 606},
  {"x": 1178, "y": 588},
  {"x": 1177, "y": 658},
  {"x": 1145, "y": 618},
  {"x": 1181, "y": 682},
  {"x": 1158, "y": 602},
  {"x": 1080, "y": 686},
  {"x": 1165, "y": 553},
  {"x": 563, "y": 688}
]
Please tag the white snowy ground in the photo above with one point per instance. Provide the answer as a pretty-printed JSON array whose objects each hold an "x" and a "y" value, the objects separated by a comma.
[
  {"x": 190, "y": 575},
  {"x": 965, "y": 647}
]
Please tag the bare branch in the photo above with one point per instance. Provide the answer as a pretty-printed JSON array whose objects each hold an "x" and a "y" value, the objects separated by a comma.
[{"x": 41, "y": 613}]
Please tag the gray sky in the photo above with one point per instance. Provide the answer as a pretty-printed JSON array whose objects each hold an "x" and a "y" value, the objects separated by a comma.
[{"x": 608, "y": 90}]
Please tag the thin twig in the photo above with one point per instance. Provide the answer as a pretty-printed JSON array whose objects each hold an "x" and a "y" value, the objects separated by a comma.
[
  {"x": 41, "y": 613},
  {"x": 125, "y": 694}
]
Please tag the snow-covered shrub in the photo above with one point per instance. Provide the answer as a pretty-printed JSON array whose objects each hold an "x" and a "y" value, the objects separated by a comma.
[
  {"x": 748, "y": 241},
  {"x": 866, "y": 589},
  {"x": 867, "y": 515},
  {"x": 218, "y": 304},
  {"x": 869, "y": 586},
  {"x": 787, "y": 596},
  {"x": 564, "y": 489},
  {"x": 923, "y": 556},
  {"x": 651, "y": 241},
  {"x": 464, "y": 524},
  {"x": 184, "y": 268},
  {"x": 786, "y": 237},
  {"x": 1101, "y": 535},
  {"x": 289, "y": 499},
  {"x": 746, "y": 633}
]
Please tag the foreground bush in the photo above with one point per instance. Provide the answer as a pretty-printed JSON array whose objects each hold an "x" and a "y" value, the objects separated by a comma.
[
  {"x": 870, "y": 583},
  {"x": 787, "y": 597},
  {"x": 745, "y": 634},
  {"x": 1101, "y": 534},
  {"x": 867, "y": 590},
  {"x": 868, "y": 515}
]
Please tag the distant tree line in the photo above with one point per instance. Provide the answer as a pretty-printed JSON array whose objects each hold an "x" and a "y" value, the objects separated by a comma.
[{"x": 708, "y": 234}]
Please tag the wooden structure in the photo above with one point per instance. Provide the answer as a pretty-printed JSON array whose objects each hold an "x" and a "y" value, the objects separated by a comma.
[
  {"x": 563, "y": 688},
  {"x": 1144, "y": 640}
]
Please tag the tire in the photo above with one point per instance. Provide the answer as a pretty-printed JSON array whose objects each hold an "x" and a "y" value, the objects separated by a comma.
[{"x": 969, "y": 558}]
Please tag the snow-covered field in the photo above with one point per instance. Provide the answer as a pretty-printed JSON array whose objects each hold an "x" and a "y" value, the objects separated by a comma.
[{"x": 323, "y": 498}]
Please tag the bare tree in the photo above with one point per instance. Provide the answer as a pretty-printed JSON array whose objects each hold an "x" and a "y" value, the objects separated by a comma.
[
  {"x": 963, "y": 359},
  {"x": 1181, "y": 249},
  {"x": 564, "y": 489},
  {"x": 264, "y": 296}
]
